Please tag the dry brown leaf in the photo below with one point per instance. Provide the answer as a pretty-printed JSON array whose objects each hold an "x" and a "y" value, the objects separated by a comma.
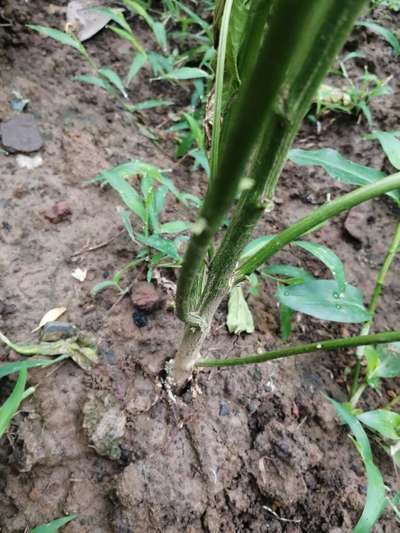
[{"x": 50, "y": 316}]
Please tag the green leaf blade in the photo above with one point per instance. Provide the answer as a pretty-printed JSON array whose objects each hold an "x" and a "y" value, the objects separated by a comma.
[
  {"x": 11, "y": 405},
  {"x": 55, "y": 525},
  {"x": 340, "y": 168},
  {"x": 329, "y": 258},
  {"x": 321, "y": 299},
  {"x": 376, "y": 500}
]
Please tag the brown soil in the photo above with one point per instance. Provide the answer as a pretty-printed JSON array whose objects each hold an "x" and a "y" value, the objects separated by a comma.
[{"x": 239, "y": 443}]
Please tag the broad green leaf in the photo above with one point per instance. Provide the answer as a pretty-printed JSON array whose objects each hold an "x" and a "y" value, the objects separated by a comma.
[
  {"x": 137, "y": 64},
  {"x": 16, "y": 366},
  {"x": 289, "y": 271},
  {"x": 329, "y": 258},
  {"x": 185, "y": 73},
  {"x": 239, "y": 319},
  {"x": 388, "y": 35},
  {"x": 388, "y": 364},
  {"x": 254, "y": 246},
  {"x": 60, "y": 36},
  {"x": 390, "y": 145},
  {"x": 376, "y": 501},
  {"x": 340, "y": 168},
  {"x": 383, "y": 421},
  {"x": 128, "y": 194},
  {"x": 95, "y": 80},
  {"x": 176, "y": 226},
  {"x": 158, "y": 243},
  {"x": 321, "y": 299},
  {"x": 11, "y": 405},
  {"x": 55, "y": 525}
]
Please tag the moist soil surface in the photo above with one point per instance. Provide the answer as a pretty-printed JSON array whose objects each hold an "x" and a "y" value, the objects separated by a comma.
[{"x": 250, "y": 449}]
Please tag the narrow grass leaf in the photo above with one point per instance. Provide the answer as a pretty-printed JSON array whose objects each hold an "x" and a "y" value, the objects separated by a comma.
[
  {"x": 148, "y": 104},
  {"x": 176, "y": 226},
  {"x": 160, "y": 35},
  {"x": 376, "y": 501},
  {"x": 321, "y": 299},
  {"x": 55, "y": 525},
  {"x": 11, "y": 405},
  {"x": 127, "y": 193},
  {"x": 339, "y": 168},
  {"x": 130, "y": 37},
  {"x": 158, "y": 243},
  {"x": 390, "y": 145},
  {"x": 137, "y": 64},
  {"x": 388, "y": 35},
  {"x": 95, "y": 80},
  {"x": 15, "y": 366},
  {"x": 126, "y": 221},
  {"x": 239, "y": 319},
  {"x": 114, "y": 79},
  {"x": 329, "y": 258},
  {"x": 184, "y": 73},
  {"x": 59, "y": 36}
]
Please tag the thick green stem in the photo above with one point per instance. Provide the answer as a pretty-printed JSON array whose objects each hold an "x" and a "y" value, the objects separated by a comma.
[
  {"x": 334, "y": 344},
  {"x": 278, "y": 80},
  {"x": 314, "y": 219},
  {"x": 357, "y": 390}
]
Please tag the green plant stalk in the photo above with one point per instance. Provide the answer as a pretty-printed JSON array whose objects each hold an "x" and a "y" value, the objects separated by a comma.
[
  {"x": 334, "y": 344},
  {"x": 219, "y": 86},
  {"x": 278, "y": 84},
  {"x": 314, "y": 219},
  {"x": 357, "y": 390}
]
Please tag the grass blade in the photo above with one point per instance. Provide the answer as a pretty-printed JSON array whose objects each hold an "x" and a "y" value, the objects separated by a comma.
[
  {"x": 55, "y": 525},
  {"x": 376, "y": 501},
  {"x": 11, "y": 405}
]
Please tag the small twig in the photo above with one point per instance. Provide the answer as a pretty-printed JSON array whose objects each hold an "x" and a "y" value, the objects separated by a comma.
[
  {"x": 293, "y": 521},
  {"x": 97, "y": 246}
]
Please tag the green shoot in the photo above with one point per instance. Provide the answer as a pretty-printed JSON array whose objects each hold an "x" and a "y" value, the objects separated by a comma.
[{"x": 54, "y": 525}]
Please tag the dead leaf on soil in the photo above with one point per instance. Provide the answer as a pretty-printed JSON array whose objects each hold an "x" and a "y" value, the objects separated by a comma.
[
  {"x": 84, "y": 19},
  {"x": 50, "y": 316}
]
